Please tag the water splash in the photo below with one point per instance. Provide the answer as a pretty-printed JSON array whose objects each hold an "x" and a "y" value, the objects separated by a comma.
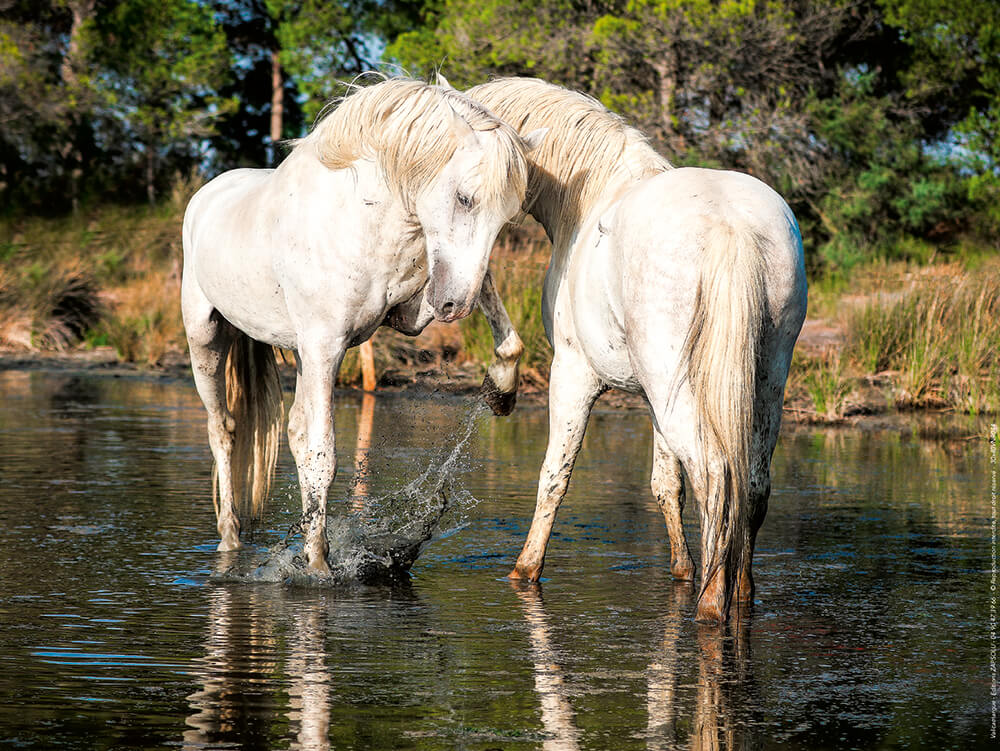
[{"x": 381, "y": 539}]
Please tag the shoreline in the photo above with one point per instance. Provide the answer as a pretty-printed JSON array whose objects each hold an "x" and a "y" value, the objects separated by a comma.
[{"x": 464, "y": 380}]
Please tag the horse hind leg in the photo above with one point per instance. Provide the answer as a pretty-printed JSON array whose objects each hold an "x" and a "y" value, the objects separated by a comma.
[
  {"x": 209, "y": 339},
  {"x": 667, "y": 483},
  {"x": 760, "y": 491},
  {"x": 766, "y": 427}
]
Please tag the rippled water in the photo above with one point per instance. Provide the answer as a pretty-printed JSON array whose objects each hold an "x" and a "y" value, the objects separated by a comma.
[{"x": 871, "y": 628}]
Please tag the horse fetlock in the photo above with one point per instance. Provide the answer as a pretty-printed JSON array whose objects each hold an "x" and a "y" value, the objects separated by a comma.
[
  {"x": 510, "y": 348},
  {"x": 713, "y": 605},
  {"x": 746, "y": 588},
  {"x": 316, "y": 563},
  {"x": 682, "y": 569},
  {"x": 525, "y": 573},
  {"x": 229, "y": 532}
]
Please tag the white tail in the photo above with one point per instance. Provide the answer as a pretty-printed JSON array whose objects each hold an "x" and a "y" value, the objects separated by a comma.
[
  {"x": 721, "y": 351},
  {"x": 253, "y": 394}
]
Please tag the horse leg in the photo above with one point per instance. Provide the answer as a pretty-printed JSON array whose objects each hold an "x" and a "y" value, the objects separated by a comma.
[
  {"x": 500, "y": 384},
  {"x": 311, "y": 438},
  {"x": 766, "y": 427},
  {"x": 704, "y": 466},
  {"x": 667, "y": 482},
  {"x": 760, "y": 491},
  {"x": 209, "y": 338},
  {"x": 573, "y": 388}
]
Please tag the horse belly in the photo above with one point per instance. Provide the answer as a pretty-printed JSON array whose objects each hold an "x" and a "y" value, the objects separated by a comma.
[{"x": 247, "y": 296}]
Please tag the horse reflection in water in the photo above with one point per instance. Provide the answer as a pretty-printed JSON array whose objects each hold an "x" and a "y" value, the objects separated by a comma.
[
  {"x": 241, "y": 659},
  {"x": 724, "y": 672}
]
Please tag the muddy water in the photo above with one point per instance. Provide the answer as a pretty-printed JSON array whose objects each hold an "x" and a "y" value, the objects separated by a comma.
[{"x": 871, "y": 628}]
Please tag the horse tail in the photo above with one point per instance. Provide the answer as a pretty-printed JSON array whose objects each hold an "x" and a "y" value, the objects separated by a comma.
[
  {"x": 721, "y": 352},
  {"x": 253, "y": 395}
]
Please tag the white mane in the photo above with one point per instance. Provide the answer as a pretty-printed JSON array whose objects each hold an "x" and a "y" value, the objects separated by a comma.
[{"x": 407, "y": 126}]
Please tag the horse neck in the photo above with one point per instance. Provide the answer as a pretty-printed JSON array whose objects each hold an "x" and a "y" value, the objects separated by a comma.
[{"x": 564, "y": 199}]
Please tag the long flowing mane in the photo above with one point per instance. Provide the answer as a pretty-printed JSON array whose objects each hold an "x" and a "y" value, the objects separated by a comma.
[
  {"x": 407, "y": 127},
  {"x": 589, "y": 150}
]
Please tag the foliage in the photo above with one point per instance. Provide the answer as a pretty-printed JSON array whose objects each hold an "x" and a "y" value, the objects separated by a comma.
[
  {"x": 876, "y": 119},
  {"x": 940, "y": 337}
]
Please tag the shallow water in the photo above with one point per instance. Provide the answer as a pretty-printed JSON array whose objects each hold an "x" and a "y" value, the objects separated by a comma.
[{"x": 871, "y": 627}]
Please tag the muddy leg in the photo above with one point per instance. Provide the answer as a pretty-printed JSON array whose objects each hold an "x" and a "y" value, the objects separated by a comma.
[
  {"x": 716, "y": 564},
  {"x": 311, "y": 437},
  {"x": 760, "y": 491},
  {"x": 209, "y": 338},
  {"x": 667, "y": 482},
  {"x": 573, "y": 387}
]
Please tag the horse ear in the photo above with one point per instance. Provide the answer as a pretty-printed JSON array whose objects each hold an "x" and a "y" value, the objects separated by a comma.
[
  {"x": 443, "y": 82},
  {"x": 462, "y": 129},
  {"x": 534, "y": 139}
]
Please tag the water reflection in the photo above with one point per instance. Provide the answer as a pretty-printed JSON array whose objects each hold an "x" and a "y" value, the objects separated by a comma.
[
  {"x": 868, "y": 632},
  {"x": 362, "y": 449},
  {"x": 242, "y": 696},
  {"x": 697, "y": 682},
  {"x": 557, "y": 713}
]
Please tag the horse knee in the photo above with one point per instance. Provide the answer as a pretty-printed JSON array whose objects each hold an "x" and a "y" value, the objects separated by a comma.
[{"x": 222, "y": 432}]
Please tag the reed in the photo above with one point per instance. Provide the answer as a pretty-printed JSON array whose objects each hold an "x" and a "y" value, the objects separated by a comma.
[
  {"x": 938, "y": 339},
  {"x": 518, "y": 266}
]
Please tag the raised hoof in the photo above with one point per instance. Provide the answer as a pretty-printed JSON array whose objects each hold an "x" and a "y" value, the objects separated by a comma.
[{"x": 501, "y": 403}]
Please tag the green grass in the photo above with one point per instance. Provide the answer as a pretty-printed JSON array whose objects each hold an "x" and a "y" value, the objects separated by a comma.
[
  {"x": 518, "y": 268},
  {"x": 938, "y": 338}
]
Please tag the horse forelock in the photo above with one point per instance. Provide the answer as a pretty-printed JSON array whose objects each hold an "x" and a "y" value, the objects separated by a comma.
[
  {"x": 407, "y": 128},
  {"x": 588, "y": 151}
]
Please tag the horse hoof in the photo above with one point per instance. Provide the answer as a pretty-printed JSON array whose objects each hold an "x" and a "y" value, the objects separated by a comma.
[
  {"x": 319, "y": 567},
  {"x": 682, "y": 572},
  {"x": 228, "y": 545},
  {"x": 501, "y": 403},
  {"x": 519, "y": 574},
  {"x": 709, "y": 613}
]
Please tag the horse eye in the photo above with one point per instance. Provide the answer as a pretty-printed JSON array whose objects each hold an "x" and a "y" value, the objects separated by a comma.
[{"x": 465, "y": 200}]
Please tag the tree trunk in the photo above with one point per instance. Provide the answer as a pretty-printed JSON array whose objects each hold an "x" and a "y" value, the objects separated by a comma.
[
  {"x": 150, "y": 173},
  {"x": 81, "y": 10},
  {"x": 277, "y": 105},
  {"x": 368, "y": 366}
]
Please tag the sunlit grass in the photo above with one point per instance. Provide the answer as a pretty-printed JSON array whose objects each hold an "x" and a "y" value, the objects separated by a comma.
[{"x": 938, "y": 337}]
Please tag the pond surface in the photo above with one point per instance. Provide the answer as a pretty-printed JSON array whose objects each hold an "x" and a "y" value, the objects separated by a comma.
[{"x": 871, "y": 627}]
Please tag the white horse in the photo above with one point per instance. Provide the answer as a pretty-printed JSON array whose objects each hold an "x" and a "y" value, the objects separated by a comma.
[
  {"x": 384, "y": 215},
  {"x": 685, "y": 285}
]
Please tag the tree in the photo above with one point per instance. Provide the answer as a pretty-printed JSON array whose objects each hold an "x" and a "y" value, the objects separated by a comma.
[
  {"x": 45, "y": 100},
  {"x": 163, "y": 63},
  {"x": 877, "y": 119}
]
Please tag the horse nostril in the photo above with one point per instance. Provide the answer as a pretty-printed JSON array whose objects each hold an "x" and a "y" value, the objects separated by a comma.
[{"x": 447, "y": 308}]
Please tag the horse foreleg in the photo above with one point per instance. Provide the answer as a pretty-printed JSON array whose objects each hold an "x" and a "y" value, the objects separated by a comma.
[
  {"x": 667, "y": 483},
  {"x": 311, "y": 437},
  {"x": 500, "y": 384},
  {"x": 209, "y": 338},
  {"x": 573, "y": 387}
]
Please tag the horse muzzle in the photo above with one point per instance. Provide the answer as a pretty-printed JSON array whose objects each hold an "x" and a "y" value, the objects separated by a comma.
[{"x": 447, "y": 300}]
